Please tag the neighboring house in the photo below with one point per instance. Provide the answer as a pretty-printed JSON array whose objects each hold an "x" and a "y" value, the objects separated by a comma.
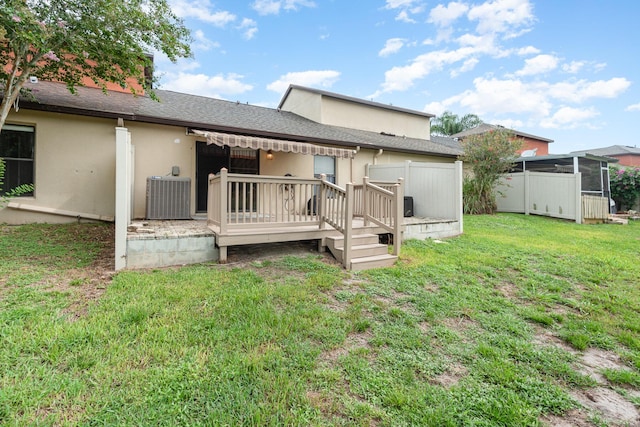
[
  {"x": 67, "y": 146},
  {"x": 533, "y": 145},
  {"x": 626, "y": 155}
]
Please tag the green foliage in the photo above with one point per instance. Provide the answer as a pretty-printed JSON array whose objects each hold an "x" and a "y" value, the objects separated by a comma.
[
  {"x": 449, "y": 123},
  {"x": 489, "y": 155},
  {"x": 68, "y": 40},
  {"x": 625, "y": 186},
  {"x": 14, "y": 192}
]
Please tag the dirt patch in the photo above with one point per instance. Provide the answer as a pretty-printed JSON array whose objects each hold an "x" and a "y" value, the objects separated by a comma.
[
  {"x": 595, "y": 360},
  {"x": 354, "y": 341},
  {"x": 452, "y": 376},
  {"x": 575, "y": 418},
  {"x": 614, "y": 408}
]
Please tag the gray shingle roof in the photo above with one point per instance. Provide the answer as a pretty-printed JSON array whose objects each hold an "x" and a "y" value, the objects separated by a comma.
[
  {"x": 611, "y": 151},
  {"x": 486, "y": 127},
  {"x": 194, "y": 111}
]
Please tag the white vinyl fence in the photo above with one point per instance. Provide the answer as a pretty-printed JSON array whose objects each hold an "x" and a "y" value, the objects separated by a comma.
[
  {"x": 436, "y": 188},
  {"x": 558, "y": 195}
]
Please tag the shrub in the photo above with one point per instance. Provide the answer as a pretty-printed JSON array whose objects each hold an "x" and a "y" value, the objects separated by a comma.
[
  {"x": 489, "y": 155},
  {"x": 5, "y": 196},
  {"x": 625, "y": 186}
]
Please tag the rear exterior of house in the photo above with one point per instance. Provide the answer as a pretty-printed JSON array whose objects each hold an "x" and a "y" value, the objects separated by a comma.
[{"x": 66, "y": 145}]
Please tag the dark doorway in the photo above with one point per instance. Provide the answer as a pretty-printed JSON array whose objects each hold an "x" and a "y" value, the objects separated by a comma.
[{"x": 209, "y": 159}]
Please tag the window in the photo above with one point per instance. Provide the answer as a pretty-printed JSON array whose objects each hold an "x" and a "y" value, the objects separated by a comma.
[
  {"x": 325, "y": 165},
  {"x": 17, "y": 145}
]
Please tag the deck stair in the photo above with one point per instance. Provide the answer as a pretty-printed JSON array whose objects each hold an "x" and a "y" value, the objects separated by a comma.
[{"x": 366, "y": 252}]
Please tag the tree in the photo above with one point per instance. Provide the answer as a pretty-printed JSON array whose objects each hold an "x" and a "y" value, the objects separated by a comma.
[
  {"x": 107, "y": 41},
  {"x": 489, "y": 155},
  {"x": 449, "y": 123}
]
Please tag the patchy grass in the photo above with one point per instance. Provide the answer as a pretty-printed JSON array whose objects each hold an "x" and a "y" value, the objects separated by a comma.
[{"x": 485, "y": 329}]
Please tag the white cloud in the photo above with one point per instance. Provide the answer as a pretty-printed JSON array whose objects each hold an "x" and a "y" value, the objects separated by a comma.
[
  {"x": 582, "y": 90},
  {"x": 313, "y": 78},
  {"x": 202, "y": 10},
  {"x": 445, "y": 15},
  {"x": 202, "y": 42},
  {"x": 573, "y": 67},
  {"x": 502, "y": 16},
  {"x": 201, "y": 84},
  {"x": 250, "y": 28},
  {"x": 528, "y": 50},
  {"x": 570, "y": 118},
  {"x": 273, "y": 7},
  {"x": 395, "y": 4},
  {"x": 407, "y": 8},
  {"x": 436, "y": 108},
  {"x": 392, "y": 46},
  {"x": 467, "y": 66},
  {"x": 538, "y": 65},
  {"x": 634, "y": 107},
  {"x": 509, "y": 96}
]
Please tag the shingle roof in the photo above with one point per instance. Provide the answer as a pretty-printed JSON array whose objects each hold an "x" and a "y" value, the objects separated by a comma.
[
  {"x": 485, "y": 127},
  {"x": 194, "y": 111},
  {"x": 611, "y": 151}
]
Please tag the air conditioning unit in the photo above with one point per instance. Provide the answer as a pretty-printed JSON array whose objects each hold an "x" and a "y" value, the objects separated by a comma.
[{"x": 168, "y": 197}]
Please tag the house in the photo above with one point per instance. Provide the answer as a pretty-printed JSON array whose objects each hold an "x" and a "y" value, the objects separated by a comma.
[
  {"x": 532, "y": 145},
  {"x": 97, "y": 157},
  {"x": 626, "y": 155}
]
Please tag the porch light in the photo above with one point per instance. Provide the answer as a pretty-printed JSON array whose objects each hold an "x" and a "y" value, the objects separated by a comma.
[{"x": 269, "y": 155}]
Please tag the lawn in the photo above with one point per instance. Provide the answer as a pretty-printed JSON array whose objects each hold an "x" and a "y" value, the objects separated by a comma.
[{"x": 522, "y": 321}]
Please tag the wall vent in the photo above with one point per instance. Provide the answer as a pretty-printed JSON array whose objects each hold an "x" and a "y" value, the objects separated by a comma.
[{"x": 168, "y": 197}]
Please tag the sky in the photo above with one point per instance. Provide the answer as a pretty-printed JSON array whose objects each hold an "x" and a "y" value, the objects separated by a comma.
[{"x": 565, "y": 70}]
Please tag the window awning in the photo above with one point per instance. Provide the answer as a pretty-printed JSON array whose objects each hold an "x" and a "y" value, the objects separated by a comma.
[{"x": 258, "y": 143}]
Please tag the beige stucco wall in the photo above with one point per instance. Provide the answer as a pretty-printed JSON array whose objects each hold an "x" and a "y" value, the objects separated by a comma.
[
  {"x": 341, "y": 112},
  {"x": 74, "y": 167},
  {"x": 305, "y": 104},
  {"x": 75, "y": 164}
]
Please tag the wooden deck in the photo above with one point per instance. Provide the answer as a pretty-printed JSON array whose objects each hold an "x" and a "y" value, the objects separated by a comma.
[{"x": 254, "y": 209}]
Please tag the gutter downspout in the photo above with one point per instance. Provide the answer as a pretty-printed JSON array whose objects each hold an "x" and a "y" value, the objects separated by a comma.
[
  {"x": 355, "y": 152},
  {"x": 375, "y": 156}
]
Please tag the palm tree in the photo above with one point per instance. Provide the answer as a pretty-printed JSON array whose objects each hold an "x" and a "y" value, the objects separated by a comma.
[{"x": 449, "y": 123}]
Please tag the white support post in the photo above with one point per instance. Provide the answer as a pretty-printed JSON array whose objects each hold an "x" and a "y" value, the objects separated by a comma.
[
  {"x": 365, "y": 200},
  {"x": 459, "y": 206},
  {"x": 224, "y": 200},
  {"x": 527, "y": 192},
  {"x": 321, "y": 202},
  {"x": 123, "y": 195},
  {"x": 578, "y": 187},
  {"x": 399, "y": 214},
  {"x": 348, "y": 226}
]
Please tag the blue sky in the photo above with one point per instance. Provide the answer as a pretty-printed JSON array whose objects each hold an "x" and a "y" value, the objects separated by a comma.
[{"x": 564, "y": 70}]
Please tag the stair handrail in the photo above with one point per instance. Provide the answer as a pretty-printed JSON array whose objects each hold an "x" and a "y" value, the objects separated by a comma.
[{"x": 385, "y": 208}]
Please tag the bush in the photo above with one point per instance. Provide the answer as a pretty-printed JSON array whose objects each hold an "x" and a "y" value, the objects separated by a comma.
[
  {"x": 489, "y": 155},
  {"x": 625, "y": 186}
]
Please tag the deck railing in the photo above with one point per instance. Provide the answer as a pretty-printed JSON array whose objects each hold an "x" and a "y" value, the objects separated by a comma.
[
  {"x": 237, "y": 201},
  {"x": 245, "y": 201},
  {"x": 383, "y": 205}
]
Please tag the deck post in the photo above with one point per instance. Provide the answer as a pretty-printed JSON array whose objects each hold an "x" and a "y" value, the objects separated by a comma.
[
  {"x": 398, "y": 201},
  {"x": 224, "y": 198},
  {"x": 321, "y": 205},
  {"x": 348, "y": 226},
  {"x": 365, "y": 201}
]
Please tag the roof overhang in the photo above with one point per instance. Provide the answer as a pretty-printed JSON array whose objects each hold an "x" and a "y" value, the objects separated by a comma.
[{"x": 266, "y": 144}]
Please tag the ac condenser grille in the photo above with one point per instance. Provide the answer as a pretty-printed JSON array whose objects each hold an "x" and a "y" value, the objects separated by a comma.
[{"x": 168, "y": 197}]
